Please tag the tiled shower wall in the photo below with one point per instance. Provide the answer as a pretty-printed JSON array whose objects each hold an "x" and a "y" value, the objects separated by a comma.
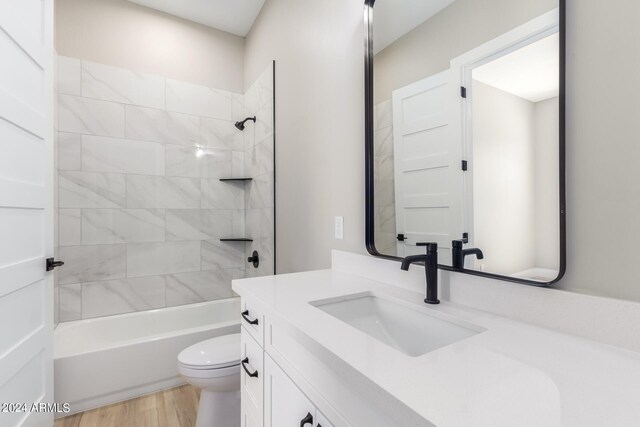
[
  {"x": 385, "y": 214},
  {"x": 259, "y": 165},
  {"x": 141, "y": 209}
]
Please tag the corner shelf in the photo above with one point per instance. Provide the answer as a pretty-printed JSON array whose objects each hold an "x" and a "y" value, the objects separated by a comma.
[
  {"x": 242, "y": 239},
  {"x": 235, "y": 179}
]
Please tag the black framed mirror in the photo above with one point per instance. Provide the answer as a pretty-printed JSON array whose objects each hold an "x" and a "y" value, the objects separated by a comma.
[{"x": 465, "y": 134}]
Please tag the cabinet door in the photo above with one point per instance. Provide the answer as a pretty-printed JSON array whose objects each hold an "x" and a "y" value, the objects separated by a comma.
[
  {"x": 321, "y": 421},
  {"x": 285, "y": 404}
]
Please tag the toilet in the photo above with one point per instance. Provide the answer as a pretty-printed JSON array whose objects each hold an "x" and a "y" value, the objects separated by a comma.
[{"x": 213, "y": 366}]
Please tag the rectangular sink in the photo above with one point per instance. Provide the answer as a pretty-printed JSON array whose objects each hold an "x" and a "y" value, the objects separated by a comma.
[{"x": 409, "y": 330}]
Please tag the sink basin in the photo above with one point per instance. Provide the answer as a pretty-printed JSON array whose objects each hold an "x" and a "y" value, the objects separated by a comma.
[{"x": 396, "y": 324}]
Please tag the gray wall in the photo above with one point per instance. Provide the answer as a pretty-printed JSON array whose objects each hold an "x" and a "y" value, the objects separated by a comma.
[
  {"x": 131, "y": 36},
  {"x": 319, "y": 49}
]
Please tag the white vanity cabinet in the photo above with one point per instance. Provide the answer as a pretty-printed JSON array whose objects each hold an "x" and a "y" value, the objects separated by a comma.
[
  {"x": 270, "y": 398},
  {"x": 285, "y": 405}
]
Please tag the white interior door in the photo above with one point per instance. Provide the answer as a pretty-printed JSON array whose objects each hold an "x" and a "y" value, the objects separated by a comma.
[
  {"x": 26, "y": 208},
  {"x": 427, "y": 160}
]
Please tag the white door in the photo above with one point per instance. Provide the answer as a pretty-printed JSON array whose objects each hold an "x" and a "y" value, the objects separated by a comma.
[
  {"x": 26, "y": 209},
  {"x": 285, "y": 404},
  {"x": 428, "y": 165}
]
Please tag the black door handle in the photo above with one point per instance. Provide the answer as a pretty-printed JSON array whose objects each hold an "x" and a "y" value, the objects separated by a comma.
[
  {"x": 306, "y": 420},
  {"x": 245, "y": 316},
  {"x": 253, "y": 374},
  {"x": 51, "y": 264}
]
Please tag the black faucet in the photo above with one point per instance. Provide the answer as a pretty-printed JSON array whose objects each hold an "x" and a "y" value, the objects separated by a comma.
[
  {"x": 458, "y": 254},
  {"x": 430, "y": 260}
]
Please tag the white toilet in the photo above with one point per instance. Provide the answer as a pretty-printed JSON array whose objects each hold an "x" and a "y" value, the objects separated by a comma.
[{"x": 214, "y": 367}]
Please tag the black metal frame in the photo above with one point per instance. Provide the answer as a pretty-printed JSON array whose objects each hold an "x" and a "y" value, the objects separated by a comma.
[{"x": 369, "y": 155}]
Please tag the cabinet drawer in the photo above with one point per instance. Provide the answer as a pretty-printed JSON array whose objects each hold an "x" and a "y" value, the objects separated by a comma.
[
  {"x": 252, "y": 372},
  {"x": 250, "y": 415},
  {"x": 253, "y": 320}
]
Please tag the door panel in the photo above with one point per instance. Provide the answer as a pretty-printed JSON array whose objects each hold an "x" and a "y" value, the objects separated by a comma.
[
  {"x": 285, "y": 404},
  {"x": 428, "y": 176},
  {"x": 26, "y": 208}
]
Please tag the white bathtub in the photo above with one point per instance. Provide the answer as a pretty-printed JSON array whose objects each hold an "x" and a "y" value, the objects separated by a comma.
[{"x": 110, "y": 359}]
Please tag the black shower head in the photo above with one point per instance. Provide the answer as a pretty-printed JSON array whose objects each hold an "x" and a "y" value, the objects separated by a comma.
[{"x": 240, "y": 125}]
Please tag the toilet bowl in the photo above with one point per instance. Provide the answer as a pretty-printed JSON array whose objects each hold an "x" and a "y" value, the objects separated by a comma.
[{"x": 213, "y": 366}]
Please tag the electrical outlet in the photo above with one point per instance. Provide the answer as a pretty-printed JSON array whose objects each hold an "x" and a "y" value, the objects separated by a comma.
[{"x": 339, "y": 228}]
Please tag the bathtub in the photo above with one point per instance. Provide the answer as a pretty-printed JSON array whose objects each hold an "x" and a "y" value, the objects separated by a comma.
[{"x": 111, "y": 359}]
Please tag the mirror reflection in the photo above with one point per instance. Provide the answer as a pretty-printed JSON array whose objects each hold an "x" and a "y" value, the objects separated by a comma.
[{"x": 467, "y": 133}]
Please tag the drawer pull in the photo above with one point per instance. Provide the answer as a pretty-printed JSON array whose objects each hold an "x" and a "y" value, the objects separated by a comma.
[
  {"x": 307, "y": 420},
  {"x": 245, "y": 316},
  {"x": 244, "y": 364}
]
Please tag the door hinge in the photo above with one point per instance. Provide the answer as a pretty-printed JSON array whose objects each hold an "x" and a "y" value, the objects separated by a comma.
[
  {"x": 463, "y": 91},
  {"x": 465, "y": 165},
  {"x": 401, "y": 237}
]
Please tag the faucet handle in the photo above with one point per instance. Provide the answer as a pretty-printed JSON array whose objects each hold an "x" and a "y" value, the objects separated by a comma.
[{"x": 431, "y": 247}]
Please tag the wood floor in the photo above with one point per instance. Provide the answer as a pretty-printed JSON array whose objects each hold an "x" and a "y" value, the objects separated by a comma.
[{"x": 176, "y": 407}]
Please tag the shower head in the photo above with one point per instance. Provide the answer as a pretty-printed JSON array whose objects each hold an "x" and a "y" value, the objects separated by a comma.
[{"x": 240, "y": 125}]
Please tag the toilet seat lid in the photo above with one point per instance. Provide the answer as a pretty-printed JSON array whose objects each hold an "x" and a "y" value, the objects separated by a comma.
[{"x": 214, "y": 353}]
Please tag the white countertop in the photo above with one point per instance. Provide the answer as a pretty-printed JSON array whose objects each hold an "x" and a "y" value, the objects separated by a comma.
[{"x": 512, "y": 374}]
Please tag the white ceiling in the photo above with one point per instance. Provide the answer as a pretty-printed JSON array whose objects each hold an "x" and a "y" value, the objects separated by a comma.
[
  {"x": 530, "y": 73},
  {"x": 233, "y": 16},
  {"x": 393, "y": 19}
]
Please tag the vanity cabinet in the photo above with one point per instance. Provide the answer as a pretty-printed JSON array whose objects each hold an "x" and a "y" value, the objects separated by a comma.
[
  {"x": 270, "y": 398},
  {"x": 285, "y": 405},
  {"x": 285, "y": 383}
]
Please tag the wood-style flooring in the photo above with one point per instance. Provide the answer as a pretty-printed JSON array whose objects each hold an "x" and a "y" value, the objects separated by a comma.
[{"x": 176, "y": 407}]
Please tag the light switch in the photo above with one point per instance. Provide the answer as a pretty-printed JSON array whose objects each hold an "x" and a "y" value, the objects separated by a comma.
[{"x": 339, "y": 228}]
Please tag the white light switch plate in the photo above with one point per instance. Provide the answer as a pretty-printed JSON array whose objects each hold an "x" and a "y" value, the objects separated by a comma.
[{"x": 339, "y": 228}]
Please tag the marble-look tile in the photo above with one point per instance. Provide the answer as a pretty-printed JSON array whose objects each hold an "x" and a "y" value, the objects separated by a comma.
[
  {"x": 104, "y": 226},
  {"x": 198, "y": 100},
  {"x": 121, "y": 85},
  {"x": 199, "y": 162},
  {"x": 105, "y": 298},
  {"x": 162, "y": 192},
  {"x": 260, "y": 192},
  {"x": 237, "y": 106},
  {"x": 385, "y": 219},
  {"x": 237, "y": 164},
  {"x": 70, "y": 299},
  {"x": 383, "y": 142},
  {"x": 69, "y": 227},
  {"x": 265, "y": 86},
  {"x": 203, "y": 224},
  {"x": 222, "y": 195},
  {"x": 148, "y": 259},
  {"x": 383, "y": 115},
  {"x": 384, "y": 193},
  {"x": 264, "y": 123},
  {"x": 150, "y": 124},
  {"x": 260, "y": 158},
  {"x": 69, "y": 79},
  {"x": 92, "y": 263},
  {"x": 383, "y": 169},
  {"x": 102, "y": 154},
  {"x": 252, "y": 100},
  {"x": 199, "y": 287},
  {"x": 386, "y": 243},
  {"x": 222, "y": 134},
  {"x": 217, "y": 255},
  {"x": 90, "y": 116},
  {"x": 259, "y": 222},
  {"x": 91, "y": 190},
  {"x": 69, "y": 151}
]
